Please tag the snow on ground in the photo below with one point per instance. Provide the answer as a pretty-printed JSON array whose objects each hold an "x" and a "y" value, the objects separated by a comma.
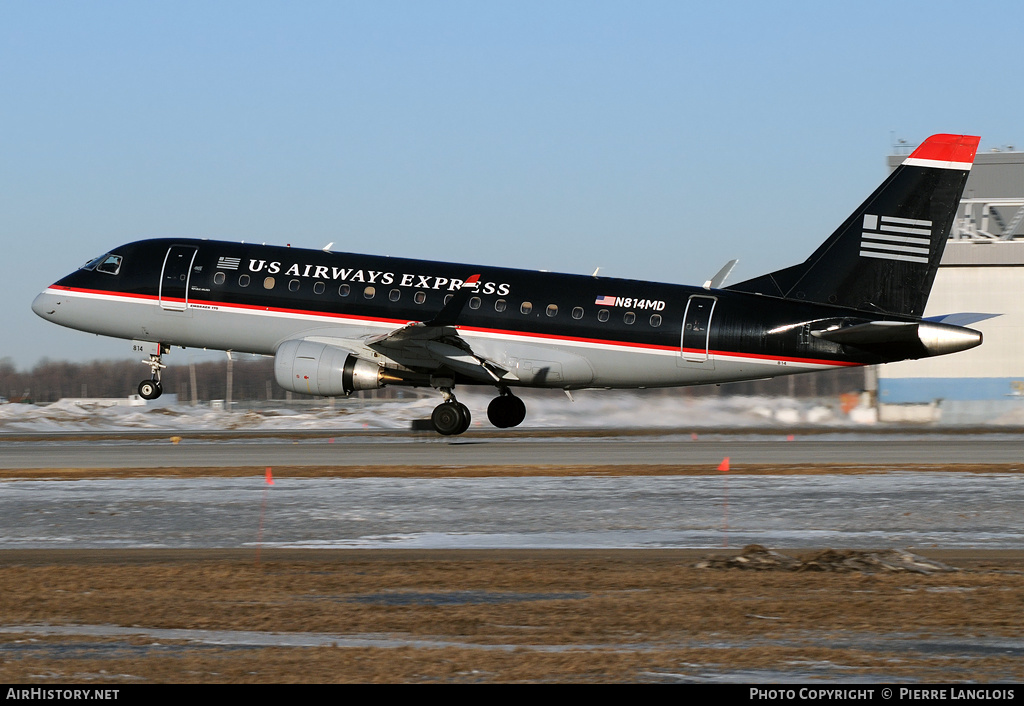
[{"x": 591, "y": 409}]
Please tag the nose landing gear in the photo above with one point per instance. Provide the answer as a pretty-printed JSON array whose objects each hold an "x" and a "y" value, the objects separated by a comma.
[{"x": 151, "y": 389}]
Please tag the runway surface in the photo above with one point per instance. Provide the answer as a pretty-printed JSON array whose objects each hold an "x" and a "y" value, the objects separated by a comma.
[
  {"x": 899, "y": 509},
  {"x": 473, "y": 450},
  {"x": 902, "y": 502}
]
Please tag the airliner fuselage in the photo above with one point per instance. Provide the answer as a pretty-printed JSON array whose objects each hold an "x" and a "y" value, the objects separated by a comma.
[{"x": 338, "y": 322}]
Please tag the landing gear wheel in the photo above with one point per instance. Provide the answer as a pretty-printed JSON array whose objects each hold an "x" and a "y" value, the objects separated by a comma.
[
  {"x": 150, "y": 389},
  {"x": 467, "y": 418},
  {"x": 506, "y": 411},
  {"x": 450, "y": 418}
]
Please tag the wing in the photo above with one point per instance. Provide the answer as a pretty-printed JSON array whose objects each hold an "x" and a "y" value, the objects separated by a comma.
[{"x": 436, "y": 344}]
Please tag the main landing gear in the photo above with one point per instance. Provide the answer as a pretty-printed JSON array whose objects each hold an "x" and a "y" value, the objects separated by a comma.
[
  {"x": 451, "y": 417},
  {"x": 506, "y": 410},
  {"x": 151, "y": 389}
]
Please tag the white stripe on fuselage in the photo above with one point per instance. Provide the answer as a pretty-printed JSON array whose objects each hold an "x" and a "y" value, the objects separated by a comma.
[{"x": 360, "y": 325}]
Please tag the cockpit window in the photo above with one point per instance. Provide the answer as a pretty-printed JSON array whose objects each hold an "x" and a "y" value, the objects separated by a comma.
[{"x": 109, "y": 264}]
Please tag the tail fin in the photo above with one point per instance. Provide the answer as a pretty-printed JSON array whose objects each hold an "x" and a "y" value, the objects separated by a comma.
[{"x": 883, "y": 258}]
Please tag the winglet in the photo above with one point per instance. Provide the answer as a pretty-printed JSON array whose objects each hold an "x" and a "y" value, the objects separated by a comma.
[
  {"x": 450, "y": 312},
  {"x": 945, "y": 152}
]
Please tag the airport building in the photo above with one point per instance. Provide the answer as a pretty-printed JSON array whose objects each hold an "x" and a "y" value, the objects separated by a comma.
[{"x": 982, "y": 271}]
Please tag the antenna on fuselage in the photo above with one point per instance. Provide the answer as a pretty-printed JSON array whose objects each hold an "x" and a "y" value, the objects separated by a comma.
[
  {"x": 595, "y": 272},
  {"x": 327, "y": 248}
]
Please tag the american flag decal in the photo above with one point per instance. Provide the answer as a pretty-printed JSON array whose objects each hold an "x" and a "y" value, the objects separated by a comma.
[
  {"x": 891, "y": 238},
  {"x": 605, "y": 301},
  {"x": 228, "y": 263}
]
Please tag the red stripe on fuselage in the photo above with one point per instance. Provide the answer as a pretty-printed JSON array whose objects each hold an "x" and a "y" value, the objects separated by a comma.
[{"x": 468, "y": 329}]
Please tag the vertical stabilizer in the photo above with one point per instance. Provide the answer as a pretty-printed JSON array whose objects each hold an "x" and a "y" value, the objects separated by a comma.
[{"x": 883, "y": 258}]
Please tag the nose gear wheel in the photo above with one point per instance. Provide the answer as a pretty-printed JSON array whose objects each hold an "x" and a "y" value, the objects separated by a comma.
[{"x": 150, "y": 389}]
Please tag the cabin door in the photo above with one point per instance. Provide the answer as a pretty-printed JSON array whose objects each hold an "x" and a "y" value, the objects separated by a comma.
[
  {"x": 174, "y": 277},
  {"x": 693, "y": 345}
]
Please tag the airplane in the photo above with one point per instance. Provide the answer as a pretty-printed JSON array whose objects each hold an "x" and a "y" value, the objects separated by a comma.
[{"x": 338, "y": 322}]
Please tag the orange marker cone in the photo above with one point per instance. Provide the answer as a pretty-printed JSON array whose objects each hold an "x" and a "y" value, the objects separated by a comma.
[
  {"x": 263, "y": 507},
  {"x": 724, "y": 467}
]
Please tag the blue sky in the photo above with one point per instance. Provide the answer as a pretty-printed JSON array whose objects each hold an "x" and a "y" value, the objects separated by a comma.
[{"x": 654, "y": 139}]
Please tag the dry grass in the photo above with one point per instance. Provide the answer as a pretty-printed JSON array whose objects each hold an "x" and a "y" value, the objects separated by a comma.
[{"x": 555, "y": 616}]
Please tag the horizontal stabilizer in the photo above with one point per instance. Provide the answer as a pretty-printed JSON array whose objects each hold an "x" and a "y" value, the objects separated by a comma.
[
  {"x": 871, "y": 333},
  {"x": 963, "y": 318},
  {"x": 930, "y": 337}
]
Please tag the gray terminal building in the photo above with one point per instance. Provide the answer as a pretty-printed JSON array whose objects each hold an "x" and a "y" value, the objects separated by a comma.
[{"x": 982, "y": 271}]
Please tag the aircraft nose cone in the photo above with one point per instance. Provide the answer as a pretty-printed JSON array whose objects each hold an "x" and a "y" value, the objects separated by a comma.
[{"x": 45, "y": 305}]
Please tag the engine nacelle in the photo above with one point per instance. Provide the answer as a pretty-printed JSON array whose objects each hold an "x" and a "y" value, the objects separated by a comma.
[
  {"x": 312, "y": 368},
  {"x": 940, "y": 339}
]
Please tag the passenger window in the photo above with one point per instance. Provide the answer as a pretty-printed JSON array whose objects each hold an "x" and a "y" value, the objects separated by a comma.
[
  {"x": 319, "y": 288},
  {"x": 448, "y": 298},
  {"x": 344, "y": 290},
  {"x": 552, "y": 310},
  {"x": 369, "y": 292},
  {"x": 500, "y": 305},
  {"x": 655, "y": 320},
  {"x": 602, "y": 315},
  {"x": 219, "y": 278},
  {"x": 268, "y": 283},
  {"x": 394, "y": 295},
  {"x": 629, "y": 317},
  {"x": 420, "y": 297},
  {"x": 293, "y": 286},
  {"x": 526, "y": 308},
  {"x": 474, "y": 303},
  {"x": 243, "y": 280},
  {"x": 577, "y": 312}
]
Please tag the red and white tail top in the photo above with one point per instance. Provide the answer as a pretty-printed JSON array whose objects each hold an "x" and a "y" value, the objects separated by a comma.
[{"x": 945, "y": 152}]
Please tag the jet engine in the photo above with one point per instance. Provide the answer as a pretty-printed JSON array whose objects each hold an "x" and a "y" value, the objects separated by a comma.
[{"x": 312, "y": 368}]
